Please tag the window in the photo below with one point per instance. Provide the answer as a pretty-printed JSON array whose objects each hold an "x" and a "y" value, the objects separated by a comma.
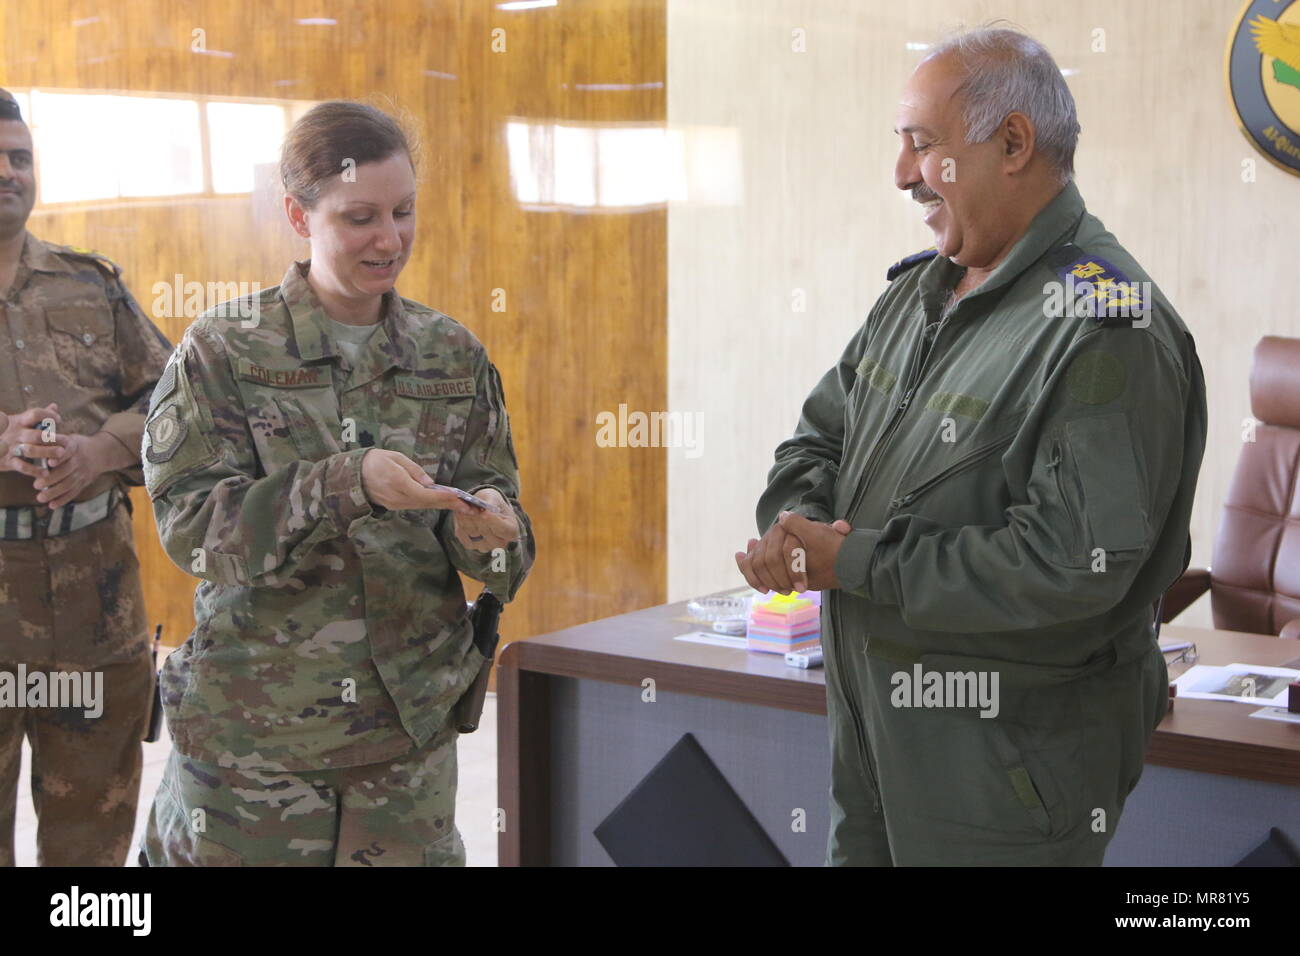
[
  {"x": 621, "y": 166},
  {"x": 108, "y": 146},
  {"x": 242, "y": 136}
]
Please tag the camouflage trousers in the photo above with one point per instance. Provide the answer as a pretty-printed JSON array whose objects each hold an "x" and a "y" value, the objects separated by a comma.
[
  {"x": 85, "y": 770},
  {"x": 397, "y": 813}
]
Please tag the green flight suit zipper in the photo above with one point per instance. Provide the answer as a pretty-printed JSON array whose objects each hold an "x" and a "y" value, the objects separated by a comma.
[
  {"x": 914, "y": 379},
  {"x": 966, "y": 461},
  {"x": 851, "y": 701},
  {"x": 913, "y": 382}
]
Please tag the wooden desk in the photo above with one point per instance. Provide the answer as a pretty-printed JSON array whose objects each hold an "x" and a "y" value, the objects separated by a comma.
[
  {"x": 1213, "y": 736},
  {"x": 1206, "y": 737}
]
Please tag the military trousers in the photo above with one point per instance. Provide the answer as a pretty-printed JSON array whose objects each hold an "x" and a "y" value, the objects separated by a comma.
[
  {"x": 1041, "y": 783},
  {"x": 85, "y": 774},
  {"x": 400, "y": 812}
]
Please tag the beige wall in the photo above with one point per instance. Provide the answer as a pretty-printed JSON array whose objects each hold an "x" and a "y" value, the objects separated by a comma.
[{"x": 815, "y": 208}]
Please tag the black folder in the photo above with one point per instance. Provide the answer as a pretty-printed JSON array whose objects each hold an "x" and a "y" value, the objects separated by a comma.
[
  {"x": 1276, "y": 850},
  {"x": 684, "y": 813}
]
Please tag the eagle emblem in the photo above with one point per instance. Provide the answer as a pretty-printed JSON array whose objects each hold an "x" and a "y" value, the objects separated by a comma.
[{"x": 1263, "y": 74}]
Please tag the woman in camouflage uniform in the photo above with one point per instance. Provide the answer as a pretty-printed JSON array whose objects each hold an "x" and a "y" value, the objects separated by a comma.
[{"x": 297, "y": 453}]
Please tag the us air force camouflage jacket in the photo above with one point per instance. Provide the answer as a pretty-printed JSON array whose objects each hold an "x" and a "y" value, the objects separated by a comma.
[{"x": 329, "y": 633}]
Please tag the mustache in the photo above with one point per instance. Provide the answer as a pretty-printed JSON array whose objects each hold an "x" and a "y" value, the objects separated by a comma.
[{"x": 922, "y": 193}]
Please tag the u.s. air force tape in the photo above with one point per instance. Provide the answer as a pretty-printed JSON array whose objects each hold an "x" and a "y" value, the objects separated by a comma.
[{"x": 434, "y": 388}]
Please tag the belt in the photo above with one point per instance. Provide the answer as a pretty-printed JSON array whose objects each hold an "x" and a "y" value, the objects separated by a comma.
[{"x": 23, "y": 522}]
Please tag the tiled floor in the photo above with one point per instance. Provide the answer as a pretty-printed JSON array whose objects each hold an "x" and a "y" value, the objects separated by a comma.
[{"x": 476, "y": 795}]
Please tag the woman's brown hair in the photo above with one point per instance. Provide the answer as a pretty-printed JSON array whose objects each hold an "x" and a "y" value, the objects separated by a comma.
[{"x": 333, "y": 136}]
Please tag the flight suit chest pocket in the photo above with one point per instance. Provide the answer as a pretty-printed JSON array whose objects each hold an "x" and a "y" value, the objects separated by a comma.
[
  {"x": 83, "y": 341},
  {"x": 965, "y": 478},
  {"x": 292, "y": 413},
  {"x": 434, "y": 413}
]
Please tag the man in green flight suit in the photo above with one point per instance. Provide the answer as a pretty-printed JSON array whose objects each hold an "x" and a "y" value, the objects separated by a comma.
[{"x": 994, "y": 487}]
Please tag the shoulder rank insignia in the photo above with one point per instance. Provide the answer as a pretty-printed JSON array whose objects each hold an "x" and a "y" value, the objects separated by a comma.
[
  {"x": 101, "y": 260},
  {"x": 902, "y": 265},
  {"x": 1090, "y": 287}
]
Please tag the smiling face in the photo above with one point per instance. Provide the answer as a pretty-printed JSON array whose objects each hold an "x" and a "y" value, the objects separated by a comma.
[
  {"x": 361, "y": 232},
  {"x": 17, "y": 177},
  {"x": 965, "y": 189}
]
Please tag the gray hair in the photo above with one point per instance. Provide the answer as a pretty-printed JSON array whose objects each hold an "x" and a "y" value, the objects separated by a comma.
[{"x": 1007, "y": 72}]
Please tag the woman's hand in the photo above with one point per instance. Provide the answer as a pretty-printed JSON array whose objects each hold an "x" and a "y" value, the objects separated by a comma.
[
  {"x": 392, "y": 480},
  {"x": 487, "y": 530}
]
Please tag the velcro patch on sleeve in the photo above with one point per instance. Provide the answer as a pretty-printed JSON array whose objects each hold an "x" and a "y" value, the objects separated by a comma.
[
  {"x": 166, "y": 432},
  {"x": 1095, "y": 377},
  {"x": 166, "y": 385}
]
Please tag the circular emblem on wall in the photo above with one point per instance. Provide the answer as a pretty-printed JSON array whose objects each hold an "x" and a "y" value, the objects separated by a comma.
[{"x": 1263, "y": 74}]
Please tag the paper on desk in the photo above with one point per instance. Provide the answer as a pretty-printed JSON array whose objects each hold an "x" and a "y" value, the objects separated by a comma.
[
  {"x": 1244, "y": 683},
  {"x": 1277, "y": 713}
]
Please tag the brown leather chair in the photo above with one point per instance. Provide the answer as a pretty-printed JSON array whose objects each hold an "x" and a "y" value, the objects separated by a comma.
[{"x": 1255, "y": 582}]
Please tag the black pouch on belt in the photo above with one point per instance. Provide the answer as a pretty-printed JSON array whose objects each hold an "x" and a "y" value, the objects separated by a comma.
[{"x": 483, "y": 618}]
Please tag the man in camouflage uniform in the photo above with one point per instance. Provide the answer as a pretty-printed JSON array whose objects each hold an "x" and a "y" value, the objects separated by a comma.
[
  {"x": 84, "y": 362},
  {"x": 310, "y": 707}
]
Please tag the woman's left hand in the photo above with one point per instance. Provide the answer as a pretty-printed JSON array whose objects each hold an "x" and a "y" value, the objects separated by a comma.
[{"x": 487, "y": 530}]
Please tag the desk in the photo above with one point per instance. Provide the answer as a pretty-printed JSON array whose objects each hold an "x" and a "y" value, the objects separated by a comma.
[{"x": 576, "y": 733}]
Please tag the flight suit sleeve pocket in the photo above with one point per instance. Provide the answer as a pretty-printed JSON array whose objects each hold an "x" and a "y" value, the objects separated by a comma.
[{"x": 1114, "y": 502}]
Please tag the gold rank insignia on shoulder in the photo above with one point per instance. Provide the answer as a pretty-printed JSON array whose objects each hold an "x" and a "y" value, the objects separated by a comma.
[
  {"x": 98, "y": 257},
  {"x": 1090, "y": 287},
  {"x": 434, "y": 387}
]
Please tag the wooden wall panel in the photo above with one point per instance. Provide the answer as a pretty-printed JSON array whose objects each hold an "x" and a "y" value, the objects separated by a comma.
[{"x": 585, "y": 324}]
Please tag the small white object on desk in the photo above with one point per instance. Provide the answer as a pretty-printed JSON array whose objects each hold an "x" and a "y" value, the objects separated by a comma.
[
  {"x": 805, "y": 659},
  {"x": 1277, "y": 713}
]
